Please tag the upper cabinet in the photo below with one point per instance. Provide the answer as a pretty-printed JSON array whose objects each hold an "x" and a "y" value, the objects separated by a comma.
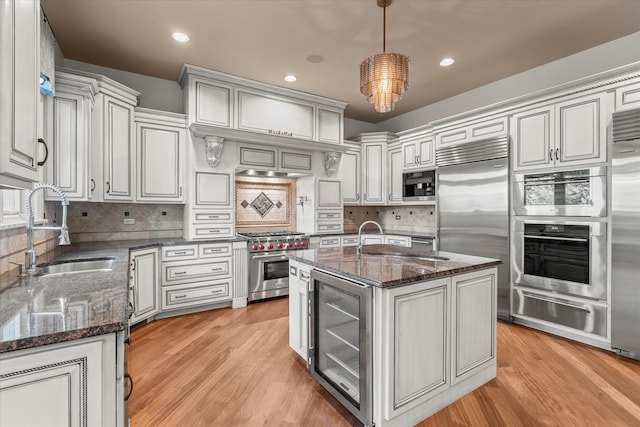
[
  {"x": 374, "y": 173},
  {"x": 160, "y": 155},
  {"x": 570, "y": 132},
  {"x": 417, "y": 149},
  {"x": 242, "y": 110},
  {"x": 350, "y": 168},
  {"x": 470, "y": 130},
  {"x": 395, "y": 162},
  {"x": 628, "y": 96},
  {"x": 19, "y": 92},
  {"x": 274, "y": 159}
]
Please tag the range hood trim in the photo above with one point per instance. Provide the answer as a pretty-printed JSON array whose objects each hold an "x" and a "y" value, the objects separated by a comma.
[{"x": 202, "y": 131}]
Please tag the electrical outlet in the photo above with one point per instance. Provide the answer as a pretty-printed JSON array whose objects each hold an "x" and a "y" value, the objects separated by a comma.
[
  {"x": 398, "y": 217},
  {"x": 129, "y": 221}
]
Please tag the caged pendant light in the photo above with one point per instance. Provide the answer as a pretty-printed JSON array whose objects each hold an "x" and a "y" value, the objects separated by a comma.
[{"x": 384, "y": 77}]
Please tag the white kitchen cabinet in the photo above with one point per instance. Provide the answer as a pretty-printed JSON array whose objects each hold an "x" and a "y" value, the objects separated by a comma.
[
  {"x": 395, "y": 162},
  {"x": 69, "y": 165},
  {"x": 473, "y": 328},
  {"x": 65, "y": 384},
  {"x": 571, "y": 132},
  {"x": 407, "y": 380},
  {"x": 329, "y": 242},
  {"x": 19, "y": 86},
  {"x": 390, "y": 239},
  {"x": 349, "y": 240},
  {"x": 372, "y": 239},
  {"x": 628, "y": 96},
  {"x": 210, "y": 103},
  {"x": 299, "y": 275},
  {"x": 418, "y": 152},
  {"x": 160, "y": 156},
  {"x": 351, "y": 169},
  {"x": 470, "y": 130},
  {"x": 144, "y": 284},
  {"x": 329, "y": 194},
  {"x": 274, "y": 159},
  {"x": 374, "y": 176},
  {"x": 321, "y": 210},
  {"x": 210, "y": 211},
  {"x": 329, "y": 125}
]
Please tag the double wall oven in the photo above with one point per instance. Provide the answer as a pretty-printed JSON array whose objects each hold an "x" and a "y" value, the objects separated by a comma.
[
  {"x": 268, "y": 262},
  {"x": 559, "y": 248}
]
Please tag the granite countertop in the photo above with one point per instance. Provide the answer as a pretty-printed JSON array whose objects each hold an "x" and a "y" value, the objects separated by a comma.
[
  {"x": 388, "y": 265},
  {"x": 42, "y": 310},
  {"x": 375, "y": 231}
]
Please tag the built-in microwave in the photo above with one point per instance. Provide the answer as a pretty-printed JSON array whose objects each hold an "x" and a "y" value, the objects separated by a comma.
[
  {"x": 419, "y": 185},
  {"x": 576, "y": 192}
]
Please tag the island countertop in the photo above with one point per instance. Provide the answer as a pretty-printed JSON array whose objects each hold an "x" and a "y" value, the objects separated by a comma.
[{"x": 388, "y": 265}]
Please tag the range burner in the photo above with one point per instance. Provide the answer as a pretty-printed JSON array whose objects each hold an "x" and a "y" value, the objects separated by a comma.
[{"x": 271, "y": 241}]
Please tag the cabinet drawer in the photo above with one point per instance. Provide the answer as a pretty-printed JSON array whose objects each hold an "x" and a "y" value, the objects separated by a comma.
[
  {"x": 183, "y": 273},
  {"x": 329, "y": 227},
  {"x": 181, "y": 296},
  {"x": 208, "y": 217},
  {"x": 397, "y": 240},
  {"x": 328, "y": 242},
  {"x": 212, "y": 250},
  {"x": 212, "y": 231},
  {"x": 349, "y": 240},
  {"x": 329, "y": 216},
  {"x": 179, "y": 253}
]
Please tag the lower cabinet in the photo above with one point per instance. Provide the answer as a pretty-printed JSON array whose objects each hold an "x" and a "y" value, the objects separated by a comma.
[
  {"x": 143, "y": 284},
  {"x": 299, "y": 275},
  {"x": 66, "y": 384},
  {"x": 192, "y": 294}
]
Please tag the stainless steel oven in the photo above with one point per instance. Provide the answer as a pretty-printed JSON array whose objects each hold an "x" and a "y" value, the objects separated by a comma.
[
  {"x": 268, "y": 262},
  {"x": 579, "y": 192},
  {"x": 569, "y": 257}
]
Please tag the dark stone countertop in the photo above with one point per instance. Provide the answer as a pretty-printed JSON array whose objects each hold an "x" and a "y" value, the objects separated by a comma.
[
  {"x": 42, "y": 310},
  {"x": 388, "y": 265}
]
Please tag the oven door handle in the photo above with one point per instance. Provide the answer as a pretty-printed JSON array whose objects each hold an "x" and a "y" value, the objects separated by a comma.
[
  {"x": 271, "y": 255},
  {"x": 552, "y": 182},
  {"x": 559, "y": 302},
  {"x": 570, "y": 239}
]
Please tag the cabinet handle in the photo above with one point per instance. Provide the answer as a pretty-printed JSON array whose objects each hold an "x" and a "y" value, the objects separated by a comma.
[
  {"x": 213, "y": 217},
  {"x": 108, "y": 187},
  {"x": 180, "y": 272},
  {"x": 128, "y": 377},
  {"x": 212, "y": 251},
  {"x": 217, "y": 291},
  {"x": 214, "y": 231},
  {"x": 180, "y": 296},
  {"x": 418, "y": 162},
  {"x": 133, "y": 265},
  {"x": 180, "y": 253},
  {"x": 217, "y": 269},
  {"x": 389, "y": 196},
  {"x": 557, "y": 154},
  {"x": 551, "y": 155},
  {"x": 180, "y": 191},
  {"x": 357, "y": 196},
  {"x": 93, "y": 185},
  {"x": 46, "y": 151}
]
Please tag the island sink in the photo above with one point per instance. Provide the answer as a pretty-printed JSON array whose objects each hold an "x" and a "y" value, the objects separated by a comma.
[{"x": 77, "y": 266}]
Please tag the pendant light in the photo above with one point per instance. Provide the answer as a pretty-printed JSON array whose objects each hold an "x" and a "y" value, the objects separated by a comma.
[{"x": 384, "y": 77}]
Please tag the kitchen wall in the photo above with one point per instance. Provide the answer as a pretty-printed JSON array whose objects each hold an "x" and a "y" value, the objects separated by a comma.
[
  {"x": 13, "y": 241},
  {"x": 414, "y": 220},
  {"x": 90, "y": 222}
]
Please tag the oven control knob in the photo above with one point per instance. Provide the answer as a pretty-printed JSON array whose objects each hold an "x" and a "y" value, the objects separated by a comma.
[
  {"x": 303, "y": 244},
  {"x": 270, "y": 245},
  {"x": 281, "y": 245},
  {"x": 255, "y": 247},
  {"x": 290, "y": 244},
  {"x": 261, "y": 247},
  {"x": 297, "y": 244}
]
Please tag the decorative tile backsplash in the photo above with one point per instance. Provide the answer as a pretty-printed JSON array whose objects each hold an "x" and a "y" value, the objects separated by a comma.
[
  {"x": 416, "y": 220},
  {"x": 91, "y": 222},
  {"x": 265, "y": 204}
]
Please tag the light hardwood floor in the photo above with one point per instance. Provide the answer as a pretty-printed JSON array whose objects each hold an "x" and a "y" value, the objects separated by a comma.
[{"x": 235, "y": 368}]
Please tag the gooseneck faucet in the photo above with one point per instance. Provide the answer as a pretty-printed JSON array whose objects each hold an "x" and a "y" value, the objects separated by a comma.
[
  {"x": 359, "y": 246},
  {"x": 30, "y": 254}
]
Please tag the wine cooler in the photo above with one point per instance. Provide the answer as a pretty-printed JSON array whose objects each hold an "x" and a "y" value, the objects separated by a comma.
[{"x": 340, "y": 346}]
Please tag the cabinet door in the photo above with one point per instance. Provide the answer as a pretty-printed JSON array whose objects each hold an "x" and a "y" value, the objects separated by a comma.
[
  {"x": 20, "y": 68},
  {"x": 213, "y": 189},
  {"x": 259, "y": 158},
  {"x": 118, "y": 150},
  {"x": 533, "y": 137},
  {"x": 329, "y": 194},
  {"x": 373, "y": 168},
  {"x": 350, "y": 165},
  {"x": 69, "y": 162},
  {"x": 144, "y": 284},
  {"x": 474, "y": 323},
  {"x": 329, "y": 126},
  {"x": 160, "y": 163},
  {"x": 395, "y": 175},
  {"x": 581, "y": 131},
  {"x": 212, "y": 104},
  {"x": 295, "y": 161},
  {"x": 415, "y": 360},
  {"x": 426, "y": 152},
  {"x": 409, "y": 155}
]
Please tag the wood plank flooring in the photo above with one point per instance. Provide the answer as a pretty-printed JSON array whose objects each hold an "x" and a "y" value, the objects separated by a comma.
[{"x": 234, "y": 367}]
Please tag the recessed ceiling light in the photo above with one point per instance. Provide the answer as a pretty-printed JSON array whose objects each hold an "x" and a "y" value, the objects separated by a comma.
[
  {"x": 314, "y": 59},
  {"x": 180, "y": 37},
  {"x": 446, "y": 62},
  {"x": 290, "y": 78}
]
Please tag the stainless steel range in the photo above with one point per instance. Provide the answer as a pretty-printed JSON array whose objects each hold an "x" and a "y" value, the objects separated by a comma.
[{"x": 268, "y": 264}]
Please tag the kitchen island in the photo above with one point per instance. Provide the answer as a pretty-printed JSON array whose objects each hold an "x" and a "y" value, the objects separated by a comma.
[{"x": 396, "y": 334}]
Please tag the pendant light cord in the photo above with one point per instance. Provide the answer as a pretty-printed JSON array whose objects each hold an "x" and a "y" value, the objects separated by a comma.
[{"x": 384, "y": 28}]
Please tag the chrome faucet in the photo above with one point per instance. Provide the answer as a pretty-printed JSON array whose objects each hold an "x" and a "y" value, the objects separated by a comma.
[
  {"x": 359, "y": 246},
  {"x": 30, "y": 254}
]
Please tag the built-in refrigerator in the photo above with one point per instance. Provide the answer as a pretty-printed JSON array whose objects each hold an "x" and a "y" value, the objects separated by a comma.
[
  {"x": 625, "y": 226},
  {"x": 473, "y": 206}
]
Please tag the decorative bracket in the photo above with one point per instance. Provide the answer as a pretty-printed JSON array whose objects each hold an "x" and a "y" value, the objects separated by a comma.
[
  {"x": 213, "y": 149},
  {"x": 331, "y": 159}
]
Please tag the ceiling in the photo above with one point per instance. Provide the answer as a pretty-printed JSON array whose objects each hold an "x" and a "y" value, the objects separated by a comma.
[{"x": 265, "y": 39}]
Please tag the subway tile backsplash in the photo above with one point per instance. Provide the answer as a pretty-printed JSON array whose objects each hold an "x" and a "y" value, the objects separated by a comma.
[{"x": 90, "y": 222}]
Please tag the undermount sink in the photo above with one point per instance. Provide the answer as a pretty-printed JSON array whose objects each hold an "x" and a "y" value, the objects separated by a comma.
[{"x": 77, "y": 266}]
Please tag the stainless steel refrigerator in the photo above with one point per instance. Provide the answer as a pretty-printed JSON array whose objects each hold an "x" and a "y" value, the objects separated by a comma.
[
  {"x": 625, "y": 225},
  {"x": 473, "y": 206}
]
